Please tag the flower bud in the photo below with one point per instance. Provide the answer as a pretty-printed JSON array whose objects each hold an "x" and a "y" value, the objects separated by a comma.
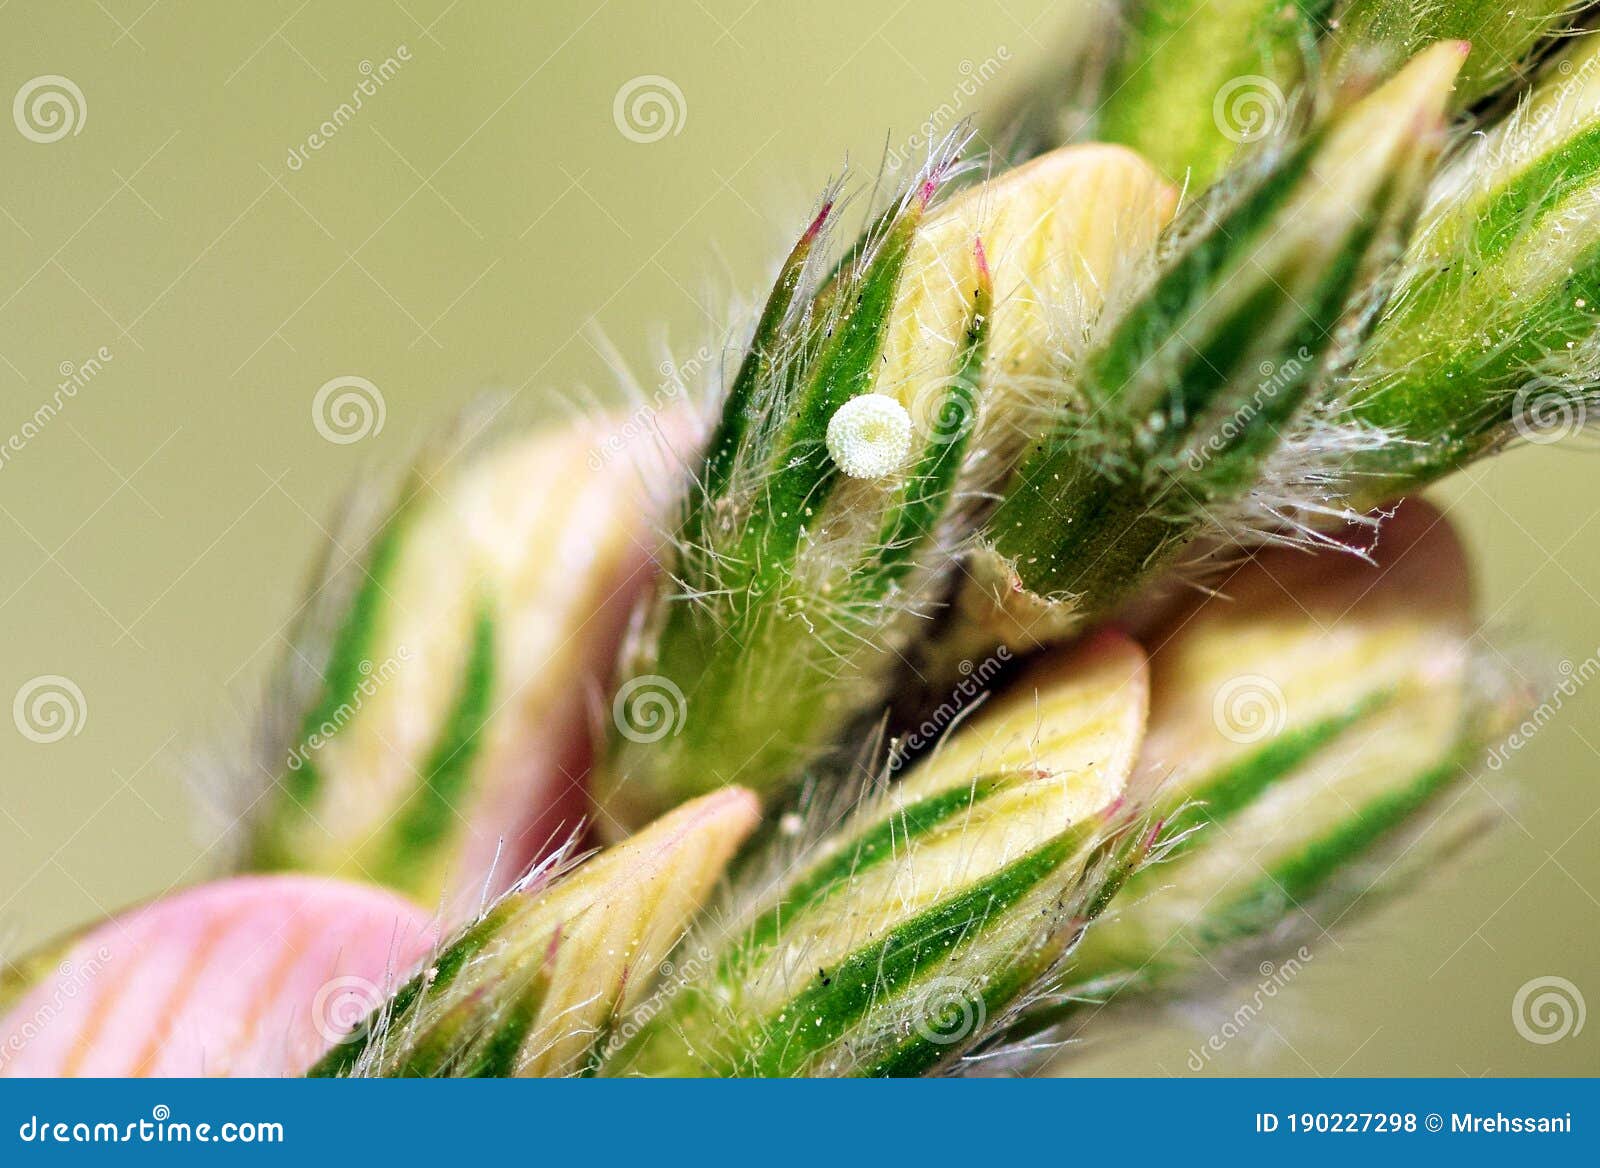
[
  {"x": 907, "y": 935},
  {"x": 439, "y": 737},
  {"x": 797, "y": 576},
  {"x": 1492, "y": 331},
  {"x": 1305, "y": 726},
  {"x": 1197, "y": 86},
  {"x": 535, "y": 986},
  {"x": 1193, "y": 386}
]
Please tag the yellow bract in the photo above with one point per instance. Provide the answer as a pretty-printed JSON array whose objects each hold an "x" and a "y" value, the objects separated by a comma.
[
  {"x": 1062, "y": 744},
  {"x": 1059, "y": 234},
  {"x": 611, "y": 923}
]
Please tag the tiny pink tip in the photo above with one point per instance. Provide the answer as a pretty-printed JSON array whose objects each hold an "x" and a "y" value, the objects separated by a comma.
[
  {"x": 982, "y": 257},
  {"x": 822, "y": 217}
]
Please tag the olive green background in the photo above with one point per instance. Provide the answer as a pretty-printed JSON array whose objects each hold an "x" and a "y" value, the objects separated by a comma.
[{"x": 481, "y": 222}]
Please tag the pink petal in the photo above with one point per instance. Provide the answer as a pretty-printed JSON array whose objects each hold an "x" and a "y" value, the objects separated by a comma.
[{"x": 253, "y": 976}]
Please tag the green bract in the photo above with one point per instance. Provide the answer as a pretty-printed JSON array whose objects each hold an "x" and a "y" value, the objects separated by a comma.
[
  {"x": 1373, "y": 38},
  {"x": 1196, "y": 80}
]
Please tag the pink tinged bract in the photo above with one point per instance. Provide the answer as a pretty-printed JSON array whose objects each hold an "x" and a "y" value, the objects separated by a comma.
[{"x": 253, "y": 976}]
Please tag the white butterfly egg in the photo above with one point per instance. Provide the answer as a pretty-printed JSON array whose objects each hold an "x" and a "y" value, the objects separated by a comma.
[{"x": 869, "y": 436}]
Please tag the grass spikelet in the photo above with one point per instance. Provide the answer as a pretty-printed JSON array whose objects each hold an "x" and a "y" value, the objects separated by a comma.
[{"x": 903, "y": 938}]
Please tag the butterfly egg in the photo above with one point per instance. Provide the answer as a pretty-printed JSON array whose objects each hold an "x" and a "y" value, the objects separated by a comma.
[{"x": 869, "y": 436}]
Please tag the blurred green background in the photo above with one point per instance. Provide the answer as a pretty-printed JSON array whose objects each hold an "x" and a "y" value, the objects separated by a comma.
[{"x": 481, "y": 222}]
